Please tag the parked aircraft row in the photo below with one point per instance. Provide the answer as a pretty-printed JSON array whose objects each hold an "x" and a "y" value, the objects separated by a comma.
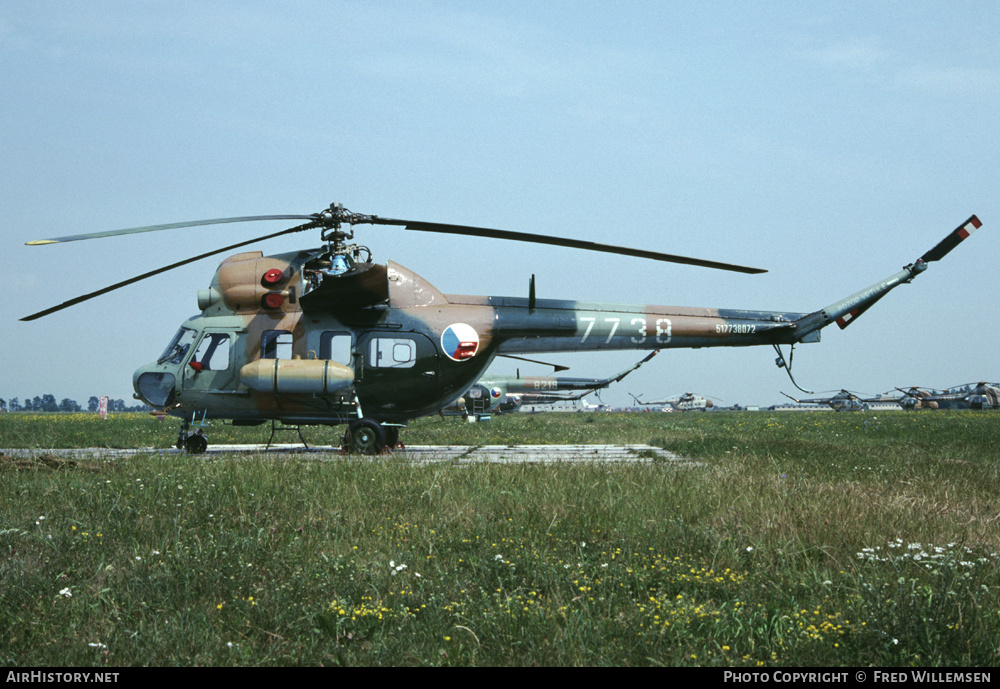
[
  {"x": 504, "y": 394},
  {"x": 980, "y": 395}
]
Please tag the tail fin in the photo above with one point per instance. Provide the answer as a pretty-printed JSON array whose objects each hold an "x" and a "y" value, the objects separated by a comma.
[{"x": 846, "y": 311}]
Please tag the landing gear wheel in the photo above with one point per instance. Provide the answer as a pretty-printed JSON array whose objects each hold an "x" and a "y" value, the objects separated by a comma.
[
  {"x": 366, "y": 437},
  {"x": 196, "y": 444},
  {"x": 391, "y": 436}
]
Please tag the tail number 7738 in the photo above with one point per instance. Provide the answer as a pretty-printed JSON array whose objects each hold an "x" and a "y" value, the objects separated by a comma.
[{"x": 662, "y": 327}]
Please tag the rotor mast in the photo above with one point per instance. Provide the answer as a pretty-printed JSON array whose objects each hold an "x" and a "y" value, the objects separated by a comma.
[{"x": 343, "y": 255}]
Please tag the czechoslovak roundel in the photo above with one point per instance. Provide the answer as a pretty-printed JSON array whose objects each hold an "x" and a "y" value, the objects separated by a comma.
[{"x": 460, "y": 341}]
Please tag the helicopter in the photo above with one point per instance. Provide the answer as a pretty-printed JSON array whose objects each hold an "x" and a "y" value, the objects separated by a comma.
[
  {"x": 845, "y": 400},
  {"x": 981, "y": 395},
  {"x": 919, "y": 398},
  {"x": 687, "y": 401},
  {"x": 328, "y": 336},
  {"x": 504, "y": 394}
]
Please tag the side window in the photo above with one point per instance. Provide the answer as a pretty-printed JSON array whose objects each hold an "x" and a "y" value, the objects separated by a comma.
[
  {"x": 335, "y": 346},
  {"x": 213, "y": 352},
  {"x": 276, "y": 344},
  {"x": 392, "y": 352}
]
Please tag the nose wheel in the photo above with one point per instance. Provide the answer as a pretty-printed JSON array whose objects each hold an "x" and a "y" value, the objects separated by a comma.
[{"x": 194, "y": 443}]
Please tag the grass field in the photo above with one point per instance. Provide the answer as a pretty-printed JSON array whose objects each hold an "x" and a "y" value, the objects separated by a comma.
[{"x": 798, "y": 540}]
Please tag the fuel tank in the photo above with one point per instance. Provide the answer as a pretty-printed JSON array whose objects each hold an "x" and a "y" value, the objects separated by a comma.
[{"x": 296, "y": 376}]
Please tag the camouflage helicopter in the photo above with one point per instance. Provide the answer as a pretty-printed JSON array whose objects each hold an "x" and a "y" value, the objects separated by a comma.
[
  {"x": 687, "y": 401},
  {"x": 981, "y": 395},
  {"x": 502, "y": 394},
  {"x": 845, "y": 400},
  {"x": 327, "y": 336},
  {"x": 918, "y": 398}
]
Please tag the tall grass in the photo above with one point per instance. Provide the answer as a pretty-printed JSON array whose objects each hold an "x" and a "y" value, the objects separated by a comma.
[{"x": 812, "y": 539}]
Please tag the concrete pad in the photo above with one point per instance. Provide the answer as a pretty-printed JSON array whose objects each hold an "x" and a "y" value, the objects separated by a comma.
[{"x": 421, "y": 454}]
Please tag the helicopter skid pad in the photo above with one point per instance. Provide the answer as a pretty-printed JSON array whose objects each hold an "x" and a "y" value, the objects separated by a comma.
[{"x": 422, "y": 454}]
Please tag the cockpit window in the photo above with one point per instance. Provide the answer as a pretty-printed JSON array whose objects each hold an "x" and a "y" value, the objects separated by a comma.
[
  {"x": 178, "y": 347},
  {"x": 213, "y": 352}
]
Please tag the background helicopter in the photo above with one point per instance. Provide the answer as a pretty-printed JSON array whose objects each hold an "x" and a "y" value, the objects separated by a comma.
[
  {"x": 845, "y": 400},
  {"x": 687, "y": 401},
  {"x": 502, "y": 394},
  {"x": 980, "y": 395},
  {"x": 918, "y": 398},
  {"x": 326, "y": 336}
]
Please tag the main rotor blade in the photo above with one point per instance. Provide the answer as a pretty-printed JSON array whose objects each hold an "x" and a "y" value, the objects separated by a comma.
[
  {"x": 465, "y": 230},
  {"x": 164, "y": 269},
  {"x": 169, "y": 226}
]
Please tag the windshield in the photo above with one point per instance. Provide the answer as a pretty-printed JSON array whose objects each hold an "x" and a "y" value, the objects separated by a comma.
[{"x": 178, "y": 347}]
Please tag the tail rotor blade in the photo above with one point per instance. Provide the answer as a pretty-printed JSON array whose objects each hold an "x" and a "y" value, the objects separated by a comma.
[{"x": 952, "y": 240}]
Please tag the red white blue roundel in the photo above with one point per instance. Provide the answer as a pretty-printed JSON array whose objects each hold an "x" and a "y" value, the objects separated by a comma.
[
  {"x": 460, "y": 341},
  {"x": 496, "y": 393}
]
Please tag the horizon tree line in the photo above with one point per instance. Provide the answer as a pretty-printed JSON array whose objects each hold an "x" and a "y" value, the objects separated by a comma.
[{"x": 47, "y": 403}]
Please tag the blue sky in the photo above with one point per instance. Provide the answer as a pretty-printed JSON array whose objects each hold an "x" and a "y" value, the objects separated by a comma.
[{"x": 830, "y": 143}]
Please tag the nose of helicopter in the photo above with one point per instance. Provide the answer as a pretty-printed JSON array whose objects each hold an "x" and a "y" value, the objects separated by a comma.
[{"x": 154, "y": 386}]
